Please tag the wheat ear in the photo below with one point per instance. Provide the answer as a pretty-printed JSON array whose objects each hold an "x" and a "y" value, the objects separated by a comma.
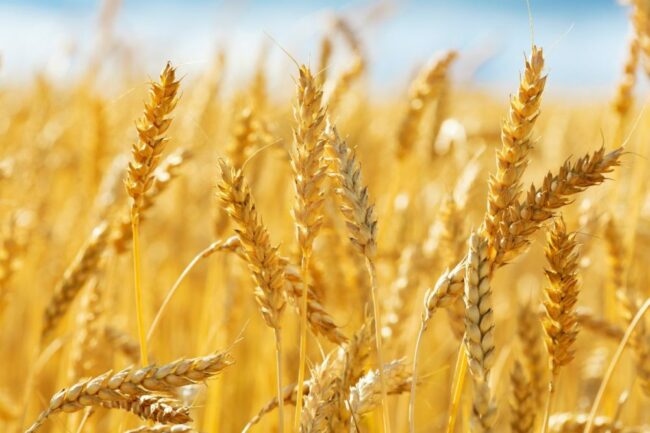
[
  {"x": 119, "y": 388},
  {"x": 309, "y": 168},
  {"x": 263, "y": 259},
  {"x": 504, "y": 187},
  {"x": 561, "y": 295},
  {"x": 75, "y": 277},
  {"x": 146, "y": 153},
  {"x": 526, "y": 217},
  {"x": 167, "y": 171},
  {"x": 362, "y": 225},
  {"x": 530, "y": 334},
  {"x": 522, "y": 405},
  {"x": 479, "y": 333},
  {"x": 424, "y": 91}
]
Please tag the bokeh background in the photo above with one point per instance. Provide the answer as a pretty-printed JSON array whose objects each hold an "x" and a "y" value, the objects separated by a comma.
[{"x": 584, "y": 40}]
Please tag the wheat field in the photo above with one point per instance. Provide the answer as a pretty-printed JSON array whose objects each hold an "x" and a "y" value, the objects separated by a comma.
[{"x": 179, "y": 256}]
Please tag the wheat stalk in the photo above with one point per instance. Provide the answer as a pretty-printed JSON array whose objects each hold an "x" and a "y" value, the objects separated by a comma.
[
  {"x": 145, "y": 154},
  {"x": 362, "y": 225},
  {"x": 309, "y": 168},
  {"x": 263, "y": 259}
]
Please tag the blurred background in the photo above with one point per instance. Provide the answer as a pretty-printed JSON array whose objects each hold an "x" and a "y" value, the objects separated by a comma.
[{"x": 584, "y": 40}]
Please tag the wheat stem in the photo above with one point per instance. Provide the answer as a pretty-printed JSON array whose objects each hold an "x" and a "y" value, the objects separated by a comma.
[
  {"x": 614, "y": 362},
  {"x": 304, "y": 273},
  {"x": 380, "y": 356},
  {"x": 549, "y": 404},
  {"x": 460, "y": 373},
  {"x": 215, "y": 246},
  {"x": 278, "y": 365},
  {"x": 135, "y": 228},
  {"x": 416, "y": 353}
]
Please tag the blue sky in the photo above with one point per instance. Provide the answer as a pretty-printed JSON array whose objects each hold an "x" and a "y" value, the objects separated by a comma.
[{"x": 585, "y": 40}]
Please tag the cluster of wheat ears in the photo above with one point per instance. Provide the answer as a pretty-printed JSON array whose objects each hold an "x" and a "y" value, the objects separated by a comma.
[{"x": 305, "y": 247}]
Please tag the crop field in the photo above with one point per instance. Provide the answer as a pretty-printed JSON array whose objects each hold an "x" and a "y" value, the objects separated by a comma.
[{"x": 178, "y": 254}]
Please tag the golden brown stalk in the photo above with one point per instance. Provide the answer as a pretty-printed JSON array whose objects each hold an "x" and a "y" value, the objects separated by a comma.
[
  {"x": 152, "y": 407},
  {"x": 424, "y": 91},
  {"x": 522, "y": 404},
  {"x": 178, "y": 428},
  {"x": 531, "y": 340},
  {"x": 263, "y": 258},
  {"x": 504, "y": 187},
  {"x": 167, "y": 171},
  {"x": 121, "y": 387},
  {"x": 75, "y": 277},
  {"x": 362, "y": 225},
  {"x": 309, "y": 168},
  {"x": 147, "y": 151},
  {"x": 561, "y": 295},
  {"x": 479, "y": 333}
]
